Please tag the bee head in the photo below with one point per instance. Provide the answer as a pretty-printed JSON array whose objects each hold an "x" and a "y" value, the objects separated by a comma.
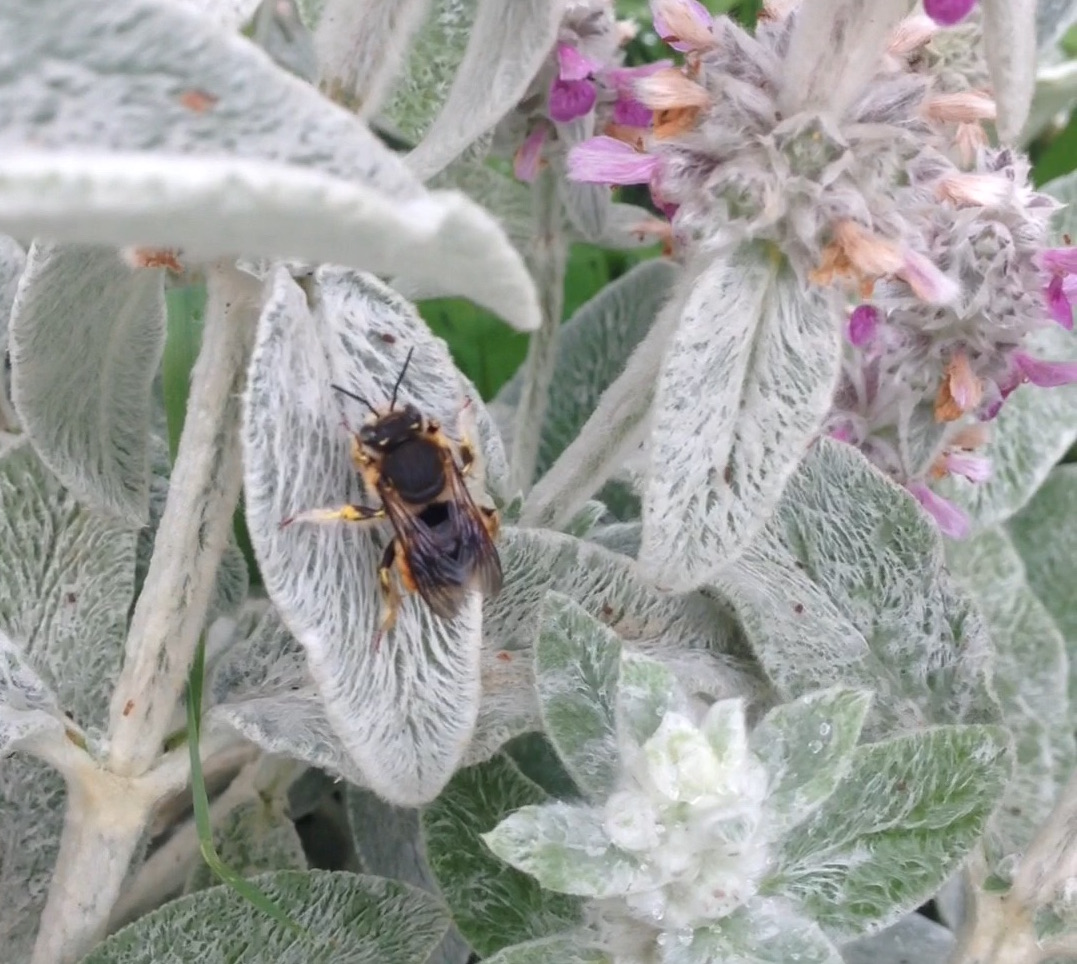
[{"x": 386, "y": 432}]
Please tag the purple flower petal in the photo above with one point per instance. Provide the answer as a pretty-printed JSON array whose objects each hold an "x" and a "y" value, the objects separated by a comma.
[
  {"x": 631, "y": 113},
  {"x": 1069, "y": 287},
  {"x": 863, "y": 323},
  {"x": 526, "y": 163},
  {"x": 570, "y": 99},
  {"x": 1046, "y": 374},
  {"x": 572, "y": 65},
  {"x": 685, "y": 11},
  {"x": 975, "y": 468},
  {"x": 1058, "y": 304},
  {"x": 606, "y": 160},
  {"x": 1059, "y": 260},
  {"x": 951, "y": 520},
  {"x": 948, "y": 12}
]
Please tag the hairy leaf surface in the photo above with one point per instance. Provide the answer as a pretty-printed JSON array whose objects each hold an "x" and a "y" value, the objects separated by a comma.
[
  {"x": 744, "y": 386},
  {"x": 577, "y": 660},
  {"x": 847, "y": 586},
  {"x": 404, "y": 708},
  {"x": 347, "y": 919},
  {"x": 66, "y": 579},
  {"x": 262, "y": 689},
  {"x": 507, "y": 44},
  {"x": 1030, "y": 677},
  {"x": 493, "y": 905},
  {"x": 1044, "y": 533},
  {"x": 901, "y": 822},
  {"x": 87, "y": 334},
  {"x": 256, "y": 837},
  {"x": 218, "y": 151}
]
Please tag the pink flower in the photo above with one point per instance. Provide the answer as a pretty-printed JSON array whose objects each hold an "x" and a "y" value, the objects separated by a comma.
[
  {"x": 573, "y": 92},
  {"x": 948, "y": 12},
  {"x": 570, "y": 99},
  {"x": 683, "y": 24},
  {"x": 975, "y": 468},
  {"x": 529, "y": 155},
  {"x": 573, "y": 65},
  {"x": 605, "y": 160},
  {"x": 1061, "y": 263},
  {"x": 951, "y": 520},
  {"x": 631, "y": 113},
  {"x": 1046, "y": 374},
  {"x": 628, "y": 109},
  {"x": 863, "y": 324},
  {"x": 1058, "y": 302}
]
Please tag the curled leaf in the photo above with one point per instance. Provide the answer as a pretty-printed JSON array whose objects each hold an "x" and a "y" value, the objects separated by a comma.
[{"x": 405, "y": 708}]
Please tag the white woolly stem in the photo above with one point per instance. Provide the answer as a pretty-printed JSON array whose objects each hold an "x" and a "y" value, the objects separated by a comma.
[
  {"x": 105, "y": 818},
  {"x": 165, "y": 871},
  {"x": 614, "y": 428},
  {"x": 547, "y": 260},
  {"x": 193, "y": 532},
  {"x": 997, "y": 928}
]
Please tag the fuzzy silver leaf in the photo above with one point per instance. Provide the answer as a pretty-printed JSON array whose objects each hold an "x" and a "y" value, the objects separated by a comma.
[{"x": 87, "y": 333}]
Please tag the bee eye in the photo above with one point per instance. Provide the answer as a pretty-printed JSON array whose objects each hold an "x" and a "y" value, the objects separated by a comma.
[{"x": 415, "y": 426}]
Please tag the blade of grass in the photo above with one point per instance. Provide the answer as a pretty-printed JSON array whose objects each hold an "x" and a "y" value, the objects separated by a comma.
[{"x": 226, "y": 874}]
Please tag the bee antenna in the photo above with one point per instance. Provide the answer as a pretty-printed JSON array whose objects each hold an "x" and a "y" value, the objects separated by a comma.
[
  {"x": 358, "y": 398},
  {"x": 400, "y": 377}
]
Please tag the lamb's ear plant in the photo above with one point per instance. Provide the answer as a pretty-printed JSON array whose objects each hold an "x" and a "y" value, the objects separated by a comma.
[{"x": 779, "y": 669}]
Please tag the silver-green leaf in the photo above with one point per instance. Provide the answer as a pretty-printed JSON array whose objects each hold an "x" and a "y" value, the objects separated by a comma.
[
  {"x": 218, "y": 151},
  {"x": 1030, "y": 677},
  {"x": 346, "y": 919},
  {"x": 66, "y": 581},
  {"x": 493, "y": 905},
  {"x": 419, "y": 90},
  {"x": 807, "y": 747},
  {"x": 390, "y": 843},
  {"x": 406, "y": 707},
  {"x": 506, "y": 46},
  {"x": 261, "y": 688},
  {"x": 87, "y": 333},
  {"x": 847, "y": 586},
  {"x": 762, "y": 932},
  {"x": 577, "y": 659},
  {"x": 1044, "y": 533},
  {"x": 744, "y": 386},
  {"x": 904, "y": 818}
]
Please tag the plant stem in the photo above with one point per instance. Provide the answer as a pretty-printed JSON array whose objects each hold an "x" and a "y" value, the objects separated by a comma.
[
  {"x": 105, "y": 818},
  {"x": 193, "y": 532},
  {"x": 615, "y": 426},
  {"x": 546, "y": 260},
  {"x": 163, "y": 874}
]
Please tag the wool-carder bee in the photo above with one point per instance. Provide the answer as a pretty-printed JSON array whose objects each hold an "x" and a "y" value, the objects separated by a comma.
[{"x": 443, "y": 546}]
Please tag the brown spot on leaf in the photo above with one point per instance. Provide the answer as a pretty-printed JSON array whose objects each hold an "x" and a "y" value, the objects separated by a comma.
[
  {"x": 127, "y": 707},
  {"x": 198, "y": 101}
]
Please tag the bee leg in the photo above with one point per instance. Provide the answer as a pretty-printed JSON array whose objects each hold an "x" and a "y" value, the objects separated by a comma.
[
  {"x": 346, "y": 513},
  {"x": 389, "y": 593}
]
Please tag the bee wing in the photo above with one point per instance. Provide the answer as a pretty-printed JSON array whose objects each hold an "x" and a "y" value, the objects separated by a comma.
[
  {"x": 450, "y": 560},
  {"x": 471, "y": 530}
]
